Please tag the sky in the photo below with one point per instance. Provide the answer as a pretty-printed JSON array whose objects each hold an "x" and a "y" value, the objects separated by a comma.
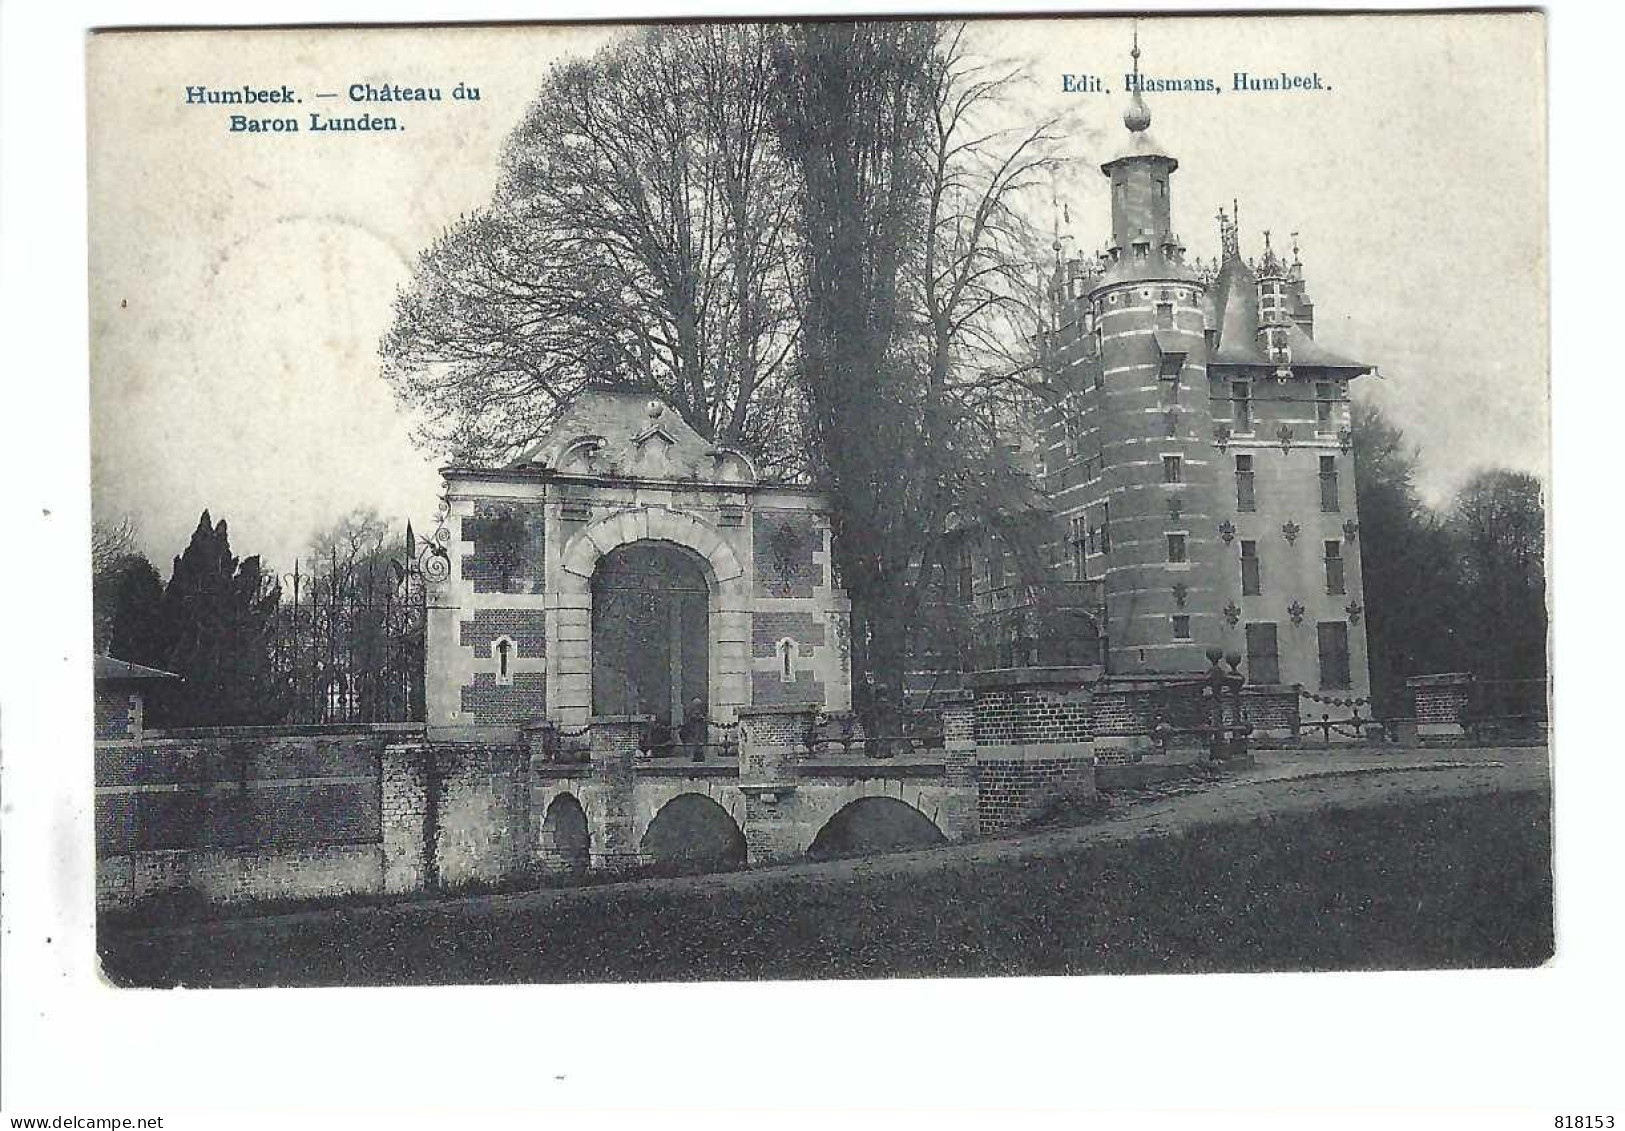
[{"x": 240, "y": 284}]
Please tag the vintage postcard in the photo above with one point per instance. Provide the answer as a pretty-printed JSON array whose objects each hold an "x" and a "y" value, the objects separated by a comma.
[{"x": 825, "y": 500}]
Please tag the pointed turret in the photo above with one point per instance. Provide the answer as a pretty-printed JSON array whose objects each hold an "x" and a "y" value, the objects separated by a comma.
[{"x": 1143, "y": 242}]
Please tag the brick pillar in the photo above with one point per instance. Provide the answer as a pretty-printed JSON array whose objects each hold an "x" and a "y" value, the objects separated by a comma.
[
  {"x": 771, "y": 742},
  {"x": 541, "y": 739},
  {"x": 1441, "y": 702},
  {"x": 404, "y": 788},
  {"x": 1034, "y": 743},
  {"x": 958, "y": 819},
  {"x": 612, "y": 745}
]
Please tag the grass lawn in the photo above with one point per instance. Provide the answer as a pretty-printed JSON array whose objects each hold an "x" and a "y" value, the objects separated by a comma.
[{"x": 1457, "y": 882}]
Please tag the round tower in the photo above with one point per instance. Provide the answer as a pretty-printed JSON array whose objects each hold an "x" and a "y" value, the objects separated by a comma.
[{"x": 1161, "y": 582}]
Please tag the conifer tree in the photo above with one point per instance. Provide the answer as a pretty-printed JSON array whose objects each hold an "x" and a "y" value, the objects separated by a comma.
[
  {"x": 128, "y": 595},
  {"x": 219, "y": 615}
]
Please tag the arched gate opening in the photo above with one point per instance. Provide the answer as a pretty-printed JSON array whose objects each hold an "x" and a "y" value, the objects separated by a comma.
[{"x": 651, "y": 608}]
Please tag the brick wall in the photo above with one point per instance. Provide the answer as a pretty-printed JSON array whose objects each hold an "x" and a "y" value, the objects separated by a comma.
[
  {"x": 527, "y": 628},
  {"x": 1441, "y": 701},
  {"x": 773, "y": 830},
  {"x": 1011, "y": 793},
  {"x": 768, "y": 628},
  {"x": 769, "y": 689},
  {"x": 1273, "y": 709},
  {"x": 118, "y": 713},
  {"x": 231, "y": 876},
  {"x": 1036, "y": 714},
  {"x": 770, "y": 742},
  {"x": 786, "y": 545},
  {"x": 1121, "y": 712},
  {"x": 508, "y": 547},
  {"x": 231, "y": 817},
  {"x": 483, "y": 810},
  {"x": 1034, "y": 732},
  {"x": 205, "y": 793},
  {"x": 488, "y": 703}
]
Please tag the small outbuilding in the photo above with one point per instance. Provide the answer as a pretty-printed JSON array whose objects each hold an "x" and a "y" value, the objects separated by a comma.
[{"x": 120, "y": 697}]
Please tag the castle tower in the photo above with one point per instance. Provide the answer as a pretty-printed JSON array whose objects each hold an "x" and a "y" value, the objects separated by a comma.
[{"x": 1155, "y": 494}]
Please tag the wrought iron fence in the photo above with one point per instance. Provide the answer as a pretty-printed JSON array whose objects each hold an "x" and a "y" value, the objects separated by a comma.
[{"x": 348, "y": 643}]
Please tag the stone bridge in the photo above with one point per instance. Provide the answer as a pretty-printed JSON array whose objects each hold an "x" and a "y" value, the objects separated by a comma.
[
  {"x": 288, "y": 816},
  {"x": 500, "y": 810}
]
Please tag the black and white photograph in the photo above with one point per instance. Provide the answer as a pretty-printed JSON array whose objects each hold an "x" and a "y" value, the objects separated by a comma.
[{"x": 815, "y": 500}]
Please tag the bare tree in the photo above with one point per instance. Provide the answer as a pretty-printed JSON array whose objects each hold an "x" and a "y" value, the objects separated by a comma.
[
  {"x": 111, "y": 541},
  {"x": 639, "y": 237},
  {"x": 920, "y": 318},
  {"x": 977, "y": 298}
]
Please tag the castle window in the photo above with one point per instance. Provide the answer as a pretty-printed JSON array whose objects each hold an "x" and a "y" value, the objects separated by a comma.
[
  {"x": 1325, "y": 400},
  {"x": 1252, "y": 584},
  {"x": 1072, "y": 422},
  {"x": 1173, "y": 469},
  {"x": 1334, "y": 567},
  {"x": 1328, "y": 484},
  {"x": 1334, "y": 654},
  {"x": 964, "y": 586},
  {"x": 1241, "y": 407},
  {"x": 1078, "y": 544},
  {"x": 1182, "y": 627},
  {"x": 1165, "y": 316},
  {"x": 1263, "y": 655},
  {"x": 995, "y": 565},
  {"x": 1178, "y": 551},
  {"x": 1246, "y": 497},
  {"x": 504, "y": 652}
]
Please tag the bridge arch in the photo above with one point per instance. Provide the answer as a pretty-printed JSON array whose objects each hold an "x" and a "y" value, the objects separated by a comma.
[
  {"x": 874, "y": 824},
  {"x": 693, "y": 829},
  {"x": 565, "y": 841}
]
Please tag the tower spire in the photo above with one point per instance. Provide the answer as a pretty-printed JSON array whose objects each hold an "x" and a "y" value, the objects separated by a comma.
[{"x": 1138, "y": 115}]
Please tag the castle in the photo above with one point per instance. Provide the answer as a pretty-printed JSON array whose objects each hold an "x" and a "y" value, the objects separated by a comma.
[
  {"x": 1196, "y": 458},
  {"x": 1197, "y": 475}
]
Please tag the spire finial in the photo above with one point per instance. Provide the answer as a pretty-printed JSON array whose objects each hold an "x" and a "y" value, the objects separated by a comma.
[
  {"x": 1229, "y": 243},
  {"x": 1138, "y": 115}
]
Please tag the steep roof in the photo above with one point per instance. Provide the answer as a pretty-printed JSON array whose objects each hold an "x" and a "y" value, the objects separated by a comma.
[
  {"x": 1233, "y": 295},
  {"x": 108, "y": 668}
]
